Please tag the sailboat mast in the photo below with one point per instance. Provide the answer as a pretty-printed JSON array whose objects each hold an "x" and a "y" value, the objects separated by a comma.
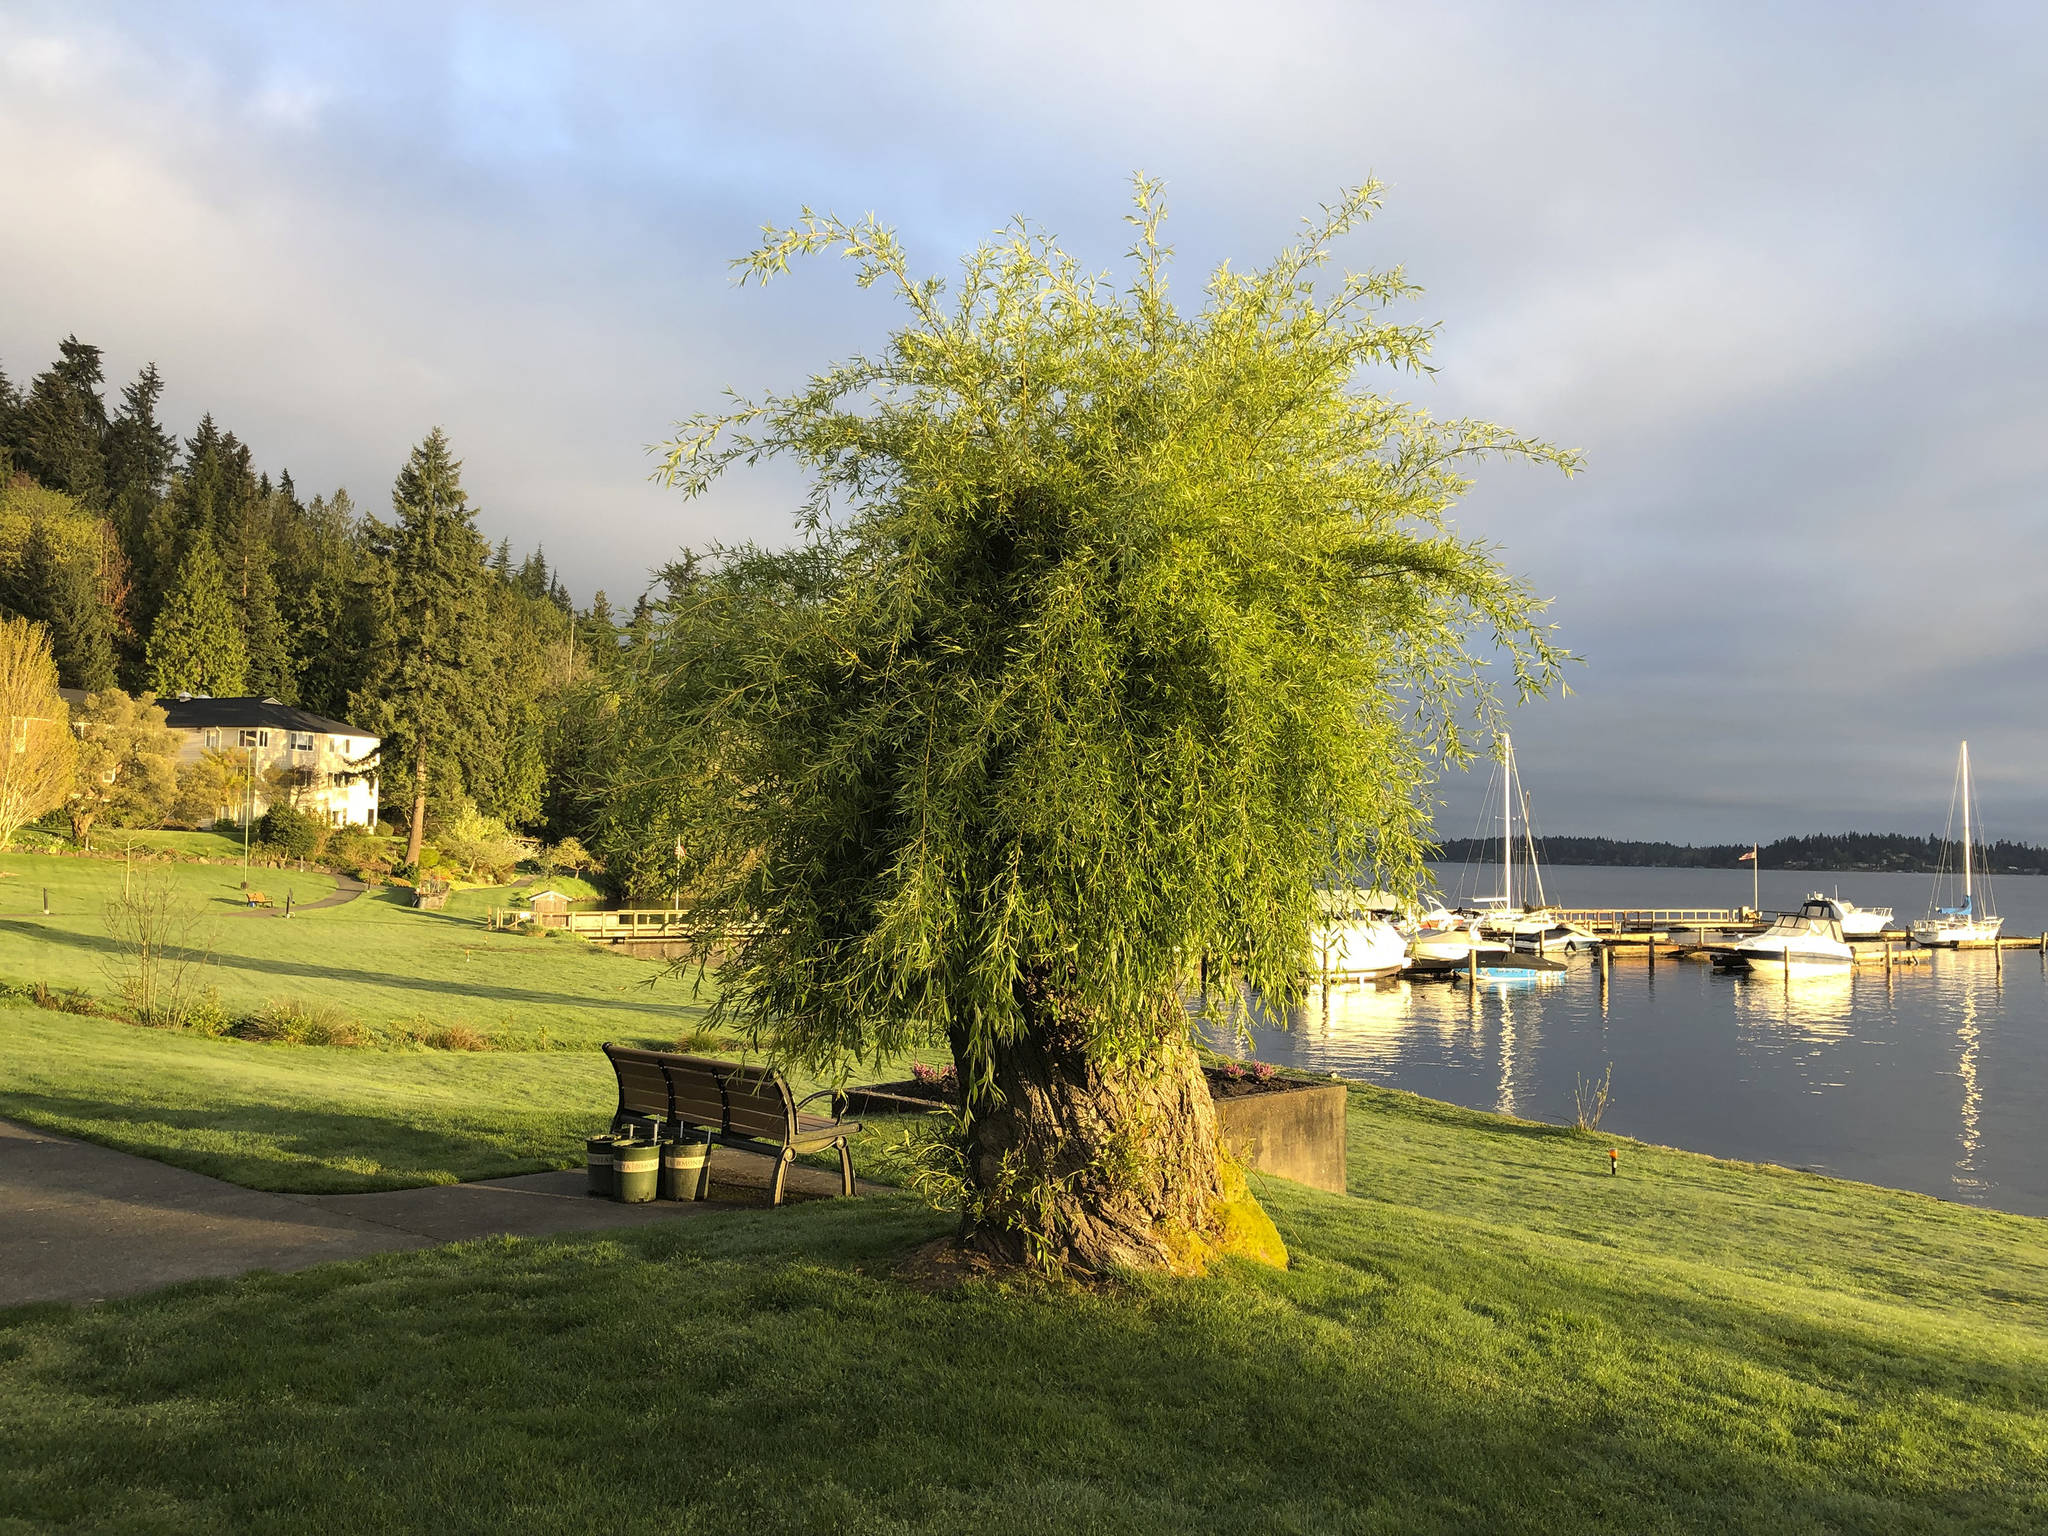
[
  {"x": 1968, "y": 905},
  {"x": 1507, "y": 821}
]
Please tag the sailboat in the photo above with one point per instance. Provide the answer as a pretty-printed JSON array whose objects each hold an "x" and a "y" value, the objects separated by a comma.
[
  {"x": 1531, "y": 926},
  {"x": 1971, "y": 922}
]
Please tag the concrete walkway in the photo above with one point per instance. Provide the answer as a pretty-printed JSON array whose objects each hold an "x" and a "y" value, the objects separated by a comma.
[
  {"x": 346, "y": 889},
  {"x": 81, "y": 1222}
]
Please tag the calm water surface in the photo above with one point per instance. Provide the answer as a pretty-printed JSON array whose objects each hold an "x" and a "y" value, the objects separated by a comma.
[{"x": 1936, "y": 1081}]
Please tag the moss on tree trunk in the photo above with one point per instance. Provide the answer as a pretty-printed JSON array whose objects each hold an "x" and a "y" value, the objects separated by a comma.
[{"x": 1091, "y": 1163}]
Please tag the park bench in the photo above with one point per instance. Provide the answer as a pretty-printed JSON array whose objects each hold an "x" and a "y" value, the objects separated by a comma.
[
  {"x": 258, "y": 899},
  {"x": 748, "y": 1108}
]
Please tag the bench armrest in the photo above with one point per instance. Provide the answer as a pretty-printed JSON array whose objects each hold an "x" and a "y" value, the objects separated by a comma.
[{"x": 837, "y": 1095}]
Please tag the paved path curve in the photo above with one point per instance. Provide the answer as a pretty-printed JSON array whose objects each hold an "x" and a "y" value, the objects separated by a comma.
[
  {"x": 346, "y": 889},
  {"x": 82, "y": 1222}
]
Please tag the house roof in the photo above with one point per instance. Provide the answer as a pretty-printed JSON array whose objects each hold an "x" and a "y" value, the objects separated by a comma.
[{"x": 197, "y": 712}]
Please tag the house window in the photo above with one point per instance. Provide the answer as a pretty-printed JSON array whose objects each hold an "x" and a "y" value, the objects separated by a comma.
[
  {"x": 249, "y": 739},
  {"x": 213, "y": 741},
  {"x": 302, "y": 741}
]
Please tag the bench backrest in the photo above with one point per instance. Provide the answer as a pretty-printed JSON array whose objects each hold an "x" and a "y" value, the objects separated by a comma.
[{"x": 702, "y": 1090}]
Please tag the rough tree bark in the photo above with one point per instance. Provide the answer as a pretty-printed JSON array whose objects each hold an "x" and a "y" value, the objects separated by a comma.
[
  {"x": 1089, "y": 1163},
  {"x": 416, "y": 834}
]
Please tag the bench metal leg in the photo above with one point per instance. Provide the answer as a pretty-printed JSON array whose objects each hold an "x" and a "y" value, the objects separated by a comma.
[
  {"x": 845, "y": 1167},
  {"x": 781, "y": 1167}
]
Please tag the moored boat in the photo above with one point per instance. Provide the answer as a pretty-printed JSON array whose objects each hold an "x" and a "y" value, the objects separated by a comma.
[
  {"x": 1857, "y": 922},
  {"x": 1974, "y": 918},
  {"x": 1807, "y": 940}
]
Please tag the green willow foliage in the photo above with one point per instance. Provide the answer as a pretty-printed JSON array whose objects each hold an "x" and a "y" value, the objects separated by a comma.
[{"x": 1114, "y": 630}]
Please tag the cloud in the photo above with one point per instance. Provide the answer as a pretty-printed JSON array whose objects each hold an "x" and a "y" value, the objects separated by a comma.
[{"x": 1774, "y": 269}]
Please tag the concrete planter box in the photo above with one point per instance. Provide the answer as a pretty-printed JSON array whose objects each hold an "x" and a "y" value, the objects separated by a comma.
[{"x": 1292, "y": 1130}]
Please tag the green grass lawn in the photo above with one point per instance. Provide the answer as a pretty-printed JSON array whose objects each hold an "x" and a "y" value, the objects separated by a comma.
[
  {"x": 314, "y": 1119},
  {"x": 376, "y": 959},
  {"x": 1492, "y": 1335}
]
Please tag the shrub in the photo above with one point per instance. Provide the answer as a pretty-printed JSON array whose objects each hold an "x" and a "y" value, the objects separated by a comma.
[
  {"x": 292, "y": 832},
  {"x": 301, "y": 1021},
  {"x": 354, "y": 850},
  {"x": 479, "y": 845},
  {"x": 423, "y": 1032}
]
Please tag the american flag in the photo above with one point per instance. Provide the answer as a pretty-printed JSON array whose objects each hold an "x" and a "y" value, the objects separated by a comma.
[{"x": 1746, "y": 858}]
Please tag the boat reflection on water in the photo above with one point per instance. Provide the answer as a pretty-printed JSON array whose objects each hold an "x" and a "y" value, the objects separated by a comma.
[{"x": 1812, "y": 1005}]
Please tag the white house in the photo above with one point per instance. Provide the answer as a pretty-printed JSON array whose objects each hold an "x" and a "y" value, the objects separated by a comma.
[{"x": 327, "y": 767}]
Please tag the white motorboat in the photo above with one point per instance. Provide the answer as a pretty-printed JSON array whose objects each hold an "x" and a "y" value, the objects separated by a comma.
[
  {"x": 1355, "y": 941},
  {"x": 1456, "y": 944},
  {"x": 1974, "y": 918},
  {"x": 1857, "y": 922},
  {"x": 1806, "y": 940}
]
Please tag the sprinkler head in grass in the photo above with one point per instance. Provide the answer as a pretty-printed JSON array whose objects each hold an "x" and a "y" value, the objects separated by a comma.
[{"x": 1614, "y": 1161}]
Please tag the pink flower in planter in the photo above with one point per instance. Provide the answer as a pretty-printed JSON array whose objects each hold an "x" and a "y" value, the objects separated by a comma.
[{"x": 1263, "y": 1071}]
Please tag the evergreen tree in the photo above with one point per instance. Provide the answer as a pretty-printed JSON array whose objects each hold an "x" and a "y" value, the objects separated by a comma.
[
  {"x": 140, "y": 458},
  {"x": 60, "y": 589},
  {"x": 532, "y": 580},
  {"x": 321, "y": 562},
  {"x": 501, "y": 562},
  {"x": 247, "y": 557},
  {"x": 140, "y": 453},
  {"x": 196, "y": 643},
  {"x": 423, "y": 683},
  {"x": 10, "y": 412},
  {"x": 61, "y": 429},
  {"x": 597, "y": 633}
]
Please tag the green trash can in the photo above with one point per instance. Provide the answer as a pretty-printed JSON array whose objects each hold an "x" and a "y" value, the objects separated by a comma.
[
  {"x": 597, "y": 1162},
  {"x": 636, "y": 1168},
  {"x": 686, "y": 1169}
]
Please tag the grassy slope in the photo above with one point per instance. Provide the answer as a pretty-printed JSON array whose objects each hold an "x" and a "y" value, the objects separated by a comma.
[
  {"x": 308, "y": 1119},
  {"x": 1498, "y": 1338},
  {"x": 375, "y": 958}
]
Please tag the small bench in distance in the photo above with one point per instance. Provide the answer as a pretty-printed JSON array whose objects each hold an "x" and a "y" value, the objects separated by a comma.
[{"x": 747, "y": 1108}]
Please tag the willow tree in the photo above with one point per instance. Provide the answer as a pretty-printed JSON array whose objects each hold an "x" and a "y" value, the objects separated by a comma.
[{"x": 1111, "y": 632}]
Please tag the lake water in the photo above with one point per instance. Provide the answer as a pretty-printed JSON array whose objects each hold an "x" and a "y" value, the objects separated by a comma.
[{"x": 1936, "y": 1080}]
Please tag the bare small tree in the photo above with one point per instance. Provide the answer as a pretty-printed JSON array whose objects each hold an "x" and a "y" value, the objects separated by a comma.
[
  {"x": 37, "y": 749},
  {"x": 162, "y": 940}
]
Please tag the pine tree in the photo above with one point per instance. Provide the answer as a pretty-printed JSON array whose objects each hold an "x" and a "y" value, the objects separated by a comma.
[
  {"x": 532, "y": 580},
  {"x": 501, "y": 562},
  {"x": 425, "y": 683},
  {"x": 10, "y": 413},
  {"x": 140, "y": 458},
  {"x": 247, "y": 554},
  {"x": 60, "y": 590},
  {"x": 196, "y": 644},
  {"x": 597, "y": 633},
  {"x": 140, "y": 453},
  {"x": 60, "y": 430},
  {"x": 321, "y": 559}
]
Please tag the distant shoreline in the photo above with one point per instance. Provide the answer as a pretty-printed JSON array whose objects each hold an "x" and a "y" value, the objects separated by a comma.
[{"x": 1884, "y": 853}]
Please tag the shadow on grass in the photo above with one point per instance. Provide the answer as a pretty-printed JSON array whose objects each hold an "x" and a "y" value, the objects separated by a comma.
[
  {"x": 311, "y": 1151},
  {"x": 816, "y": 1394},
  {"x": 102, "y": 945}
]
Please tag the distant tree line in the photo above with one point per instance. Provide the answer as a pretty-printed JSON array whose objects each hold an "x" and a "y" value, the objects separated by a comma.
[
  {"x": 165, "y": 566},
  {"x": 1859, "y": 851}
]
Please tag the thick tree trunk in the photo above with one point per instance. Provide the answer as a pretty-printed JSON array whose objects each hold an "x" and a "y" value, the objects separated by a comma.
[
  {"x": 1092, "y": 1165},
  {"x": 417, "y": 833}
]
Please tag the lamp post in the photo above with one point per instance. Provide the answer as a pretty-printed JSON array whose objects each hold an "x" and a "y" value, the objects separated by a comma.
[{"x": 248, "y": 804}]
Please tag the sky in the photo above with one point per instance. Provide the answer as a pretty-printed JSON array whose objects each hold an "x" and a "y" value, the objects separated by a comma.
[{"x": 1776, "y": 270}]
